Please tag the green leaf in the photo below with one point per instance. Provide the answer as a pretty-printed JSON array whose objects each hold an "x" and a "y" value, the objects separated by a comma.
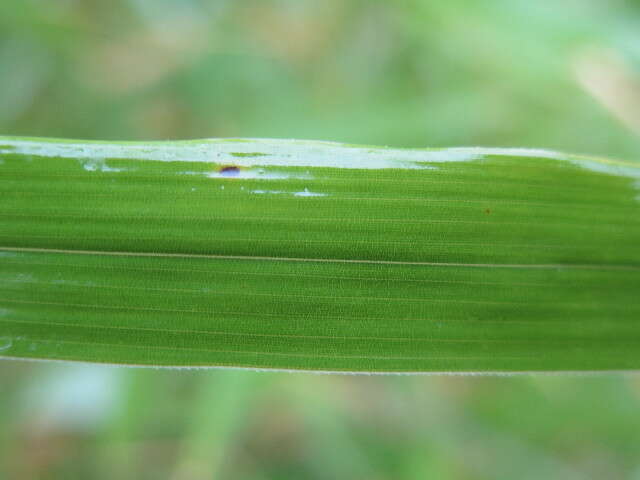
[{"x": 306, "y": 255}]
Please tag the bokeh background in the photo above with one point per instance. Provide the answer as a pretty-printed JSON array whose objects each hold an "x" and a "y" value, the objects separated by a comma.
[{"x": 407, "y": 73}]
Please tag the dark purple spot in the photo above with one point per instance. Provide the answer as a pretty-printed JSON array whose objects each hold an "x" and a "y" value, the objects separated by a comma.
[{"x": 229, "y": 171}]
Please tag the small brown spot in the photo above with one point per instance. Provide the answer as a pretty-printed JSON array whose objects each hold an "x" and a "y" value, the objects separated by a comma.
[
  {"x": 487, "y": 211},
  {"x": 229, "y": 171}
]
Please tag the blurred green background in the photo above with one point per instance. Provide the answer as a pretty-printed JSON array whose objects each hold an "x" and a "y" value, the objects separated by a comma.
[{"x": 414, "y": 73}]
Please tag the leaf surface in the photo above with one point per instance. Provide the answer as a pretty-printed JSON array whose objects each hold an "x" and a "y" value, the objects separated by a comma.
[{"x": 318, "y": 256}]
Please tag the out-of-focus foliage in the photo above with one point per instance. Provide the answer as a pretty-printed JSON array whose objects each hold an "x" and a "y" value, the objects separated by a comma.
[
  {"x": 403, "y": 73},
  {"x": 62, "y": 421},
  {"x": 543, "y": 73}
]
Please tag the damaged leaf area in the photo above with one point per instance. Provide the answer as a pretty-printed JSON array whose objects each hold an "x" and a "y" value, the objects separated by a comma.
[{"x": 317, "y": 256}]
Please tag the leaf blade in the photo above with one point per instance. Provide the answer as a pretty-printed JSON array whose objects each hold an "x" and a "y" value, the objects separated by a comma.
[{"x": 317, "y": 256}]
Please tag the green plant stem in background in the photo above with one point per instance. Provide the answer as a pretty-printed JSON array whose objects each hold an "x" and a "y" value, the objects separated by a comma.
[
  {"x": 318, "y": 256},
  {"x": 220, "y": 407}
]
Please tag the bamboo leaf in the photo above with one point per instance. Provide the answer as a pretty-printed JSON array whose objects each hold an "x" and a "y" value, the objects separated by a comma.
[{"x": 318, "y": 256}]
